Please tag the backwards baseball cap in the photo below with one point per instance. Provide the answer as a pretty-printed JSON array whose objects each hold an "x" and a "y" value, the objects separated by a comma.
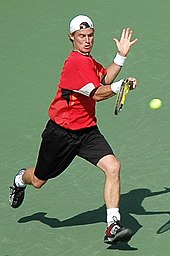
[{"x": 80, "y": 22}]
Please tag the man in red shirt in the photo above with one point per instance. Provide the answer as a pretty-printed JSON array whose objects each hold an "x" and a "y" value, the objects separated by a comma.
[
  {"x": 72, "y": 129},
  {"x": 80, "y": 76}
]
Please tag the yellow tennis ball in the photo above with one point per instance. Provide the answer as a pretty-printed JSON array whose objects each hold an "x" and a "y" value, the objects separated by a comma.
[{"x": 155, "y": 103}]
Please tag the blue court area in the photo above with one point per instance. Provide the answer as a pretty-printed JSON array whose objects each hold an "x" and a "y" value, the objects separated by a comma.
[{"x": 67, "y": 216}]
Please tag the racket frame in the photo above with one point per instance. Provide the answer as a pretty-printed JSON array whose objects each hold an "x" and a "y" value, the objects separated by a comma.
[{"x": 124, "y": 89}]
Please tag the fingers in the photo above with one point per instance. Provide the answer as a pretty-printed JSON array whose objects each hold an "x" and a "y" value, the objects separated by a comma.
[
  {"x": 125, "y": 43},
  {"x": 116, "y": 40},
  {"x": 132, "y": 82},
  {"x": 123, "y": 34},
  {"x": 134, "y": 41},
  {"x": 127, "y": 33}
]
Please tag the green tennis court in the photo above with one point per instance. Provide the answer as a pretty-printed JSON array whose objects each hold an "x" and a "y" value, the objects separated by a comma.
[{"x": 67, "y": 216}]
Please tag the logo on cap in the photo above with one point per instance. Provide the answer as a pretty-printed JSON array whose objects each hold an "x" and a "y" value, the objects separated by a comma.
[{"x": 84, "y": 25}]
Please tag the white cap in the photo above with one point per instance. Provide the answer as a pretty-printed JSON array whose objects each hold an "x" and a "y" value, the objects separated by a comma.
[{"x": 79, "y": 22}]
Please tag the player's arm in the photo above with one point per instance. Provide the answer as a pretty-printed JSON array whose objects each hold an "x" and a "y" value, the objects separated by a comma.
[
  {"x": 104, "y": 92},
  {"x": 123, "y": 46}
]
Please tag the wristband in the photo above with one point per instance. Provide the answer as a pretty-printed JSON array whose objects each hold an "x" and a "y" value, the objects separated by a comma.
[
  {"x": 119, "y": 60},
  {"x": 115, "y": 87}
]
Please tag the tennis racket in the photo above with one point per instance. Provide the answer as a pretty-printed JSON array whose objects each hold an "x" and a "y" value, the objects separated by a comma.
[{"x": 121, "y": 97}]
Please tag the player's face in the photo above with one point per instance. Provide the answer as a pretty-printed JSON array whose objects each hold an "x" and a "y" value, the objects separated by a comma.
[{"x": 83, "y": 40}]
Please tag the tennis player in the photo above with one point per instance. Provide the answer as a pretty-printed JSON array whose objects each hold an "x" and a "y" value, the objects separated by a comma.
[{"x": 72, "y": 127}]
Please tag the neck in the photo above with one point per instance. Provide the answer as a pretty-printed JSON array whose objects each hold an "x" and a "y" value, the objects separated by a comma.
[{"x": 83, "y": 53}]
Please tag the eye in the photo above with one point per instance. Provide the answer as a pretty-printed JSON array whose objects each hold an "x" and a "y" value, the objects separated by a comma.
[{"x": 81, "y": 36}]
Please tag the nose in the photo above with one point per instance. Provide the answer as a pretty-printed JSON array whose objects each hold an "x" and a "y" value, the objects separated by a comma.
[{"x": 87, "y": 39}]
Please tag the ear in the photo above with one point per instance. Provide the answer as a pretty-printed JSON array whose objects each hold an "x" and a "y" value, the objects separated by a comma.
[{"x": 71, "y": 36}]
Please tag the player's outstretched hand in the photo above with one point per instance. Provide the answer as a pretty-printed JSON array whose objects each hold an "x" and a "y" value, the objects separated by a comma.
[
  {"x": 132, "y": 82},
  {"x": 125, "y": 43}
]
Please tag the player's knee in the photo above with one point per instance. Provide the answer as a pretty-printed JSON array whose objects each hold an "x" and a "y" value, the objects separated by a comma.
[
  {"x": 115, "y": 168},
  {"x": 117, "y": 165},
  {"x": 110, "y": 165}
]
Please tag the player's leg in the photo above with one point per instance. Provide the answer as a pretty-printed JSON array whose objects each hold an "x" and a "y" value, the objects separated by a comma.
[
  {"x": 96, "y": 150},
  {"x": 23, "y": 178},
  {"x": 111, "y": 168},
  {"x": 29, "y": 178},
  {"x": 56, "y": 153},
  {"x": 26, "y": 176},
  {"x": 115, "y": 231}
]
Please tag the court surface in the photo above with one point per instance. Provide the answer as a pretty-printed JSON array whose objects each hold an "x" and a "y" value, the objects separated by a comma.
[{"x": 67, "y": 216}]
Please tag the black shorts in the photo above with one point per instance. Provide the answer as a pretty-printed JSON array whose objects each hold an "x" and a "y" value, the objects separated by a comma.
[{"x": 59, "y": 147}]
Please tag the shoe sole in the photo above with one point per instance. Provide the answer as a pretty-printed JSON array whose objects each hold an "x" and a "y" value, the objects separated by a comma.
[{"x": 123, "y": 236}]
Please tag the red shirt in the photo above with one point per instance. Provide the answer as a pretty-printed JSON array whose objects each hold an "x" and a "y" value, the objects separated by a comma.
[{"x": 73, "y": 108}]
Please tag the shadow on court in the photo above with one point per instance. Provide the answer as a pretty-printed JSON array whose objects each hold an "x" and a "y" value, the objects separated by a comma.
[
  {"x": 165, "y": 227},
  {"x": 131, "y": 203}
]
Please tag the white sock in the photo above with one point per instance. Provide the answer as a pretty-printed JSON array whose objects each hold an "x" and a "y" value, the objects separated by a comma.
[
  {"x": 112, "y": 212},
  {"x": 19, "y": 182}
]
